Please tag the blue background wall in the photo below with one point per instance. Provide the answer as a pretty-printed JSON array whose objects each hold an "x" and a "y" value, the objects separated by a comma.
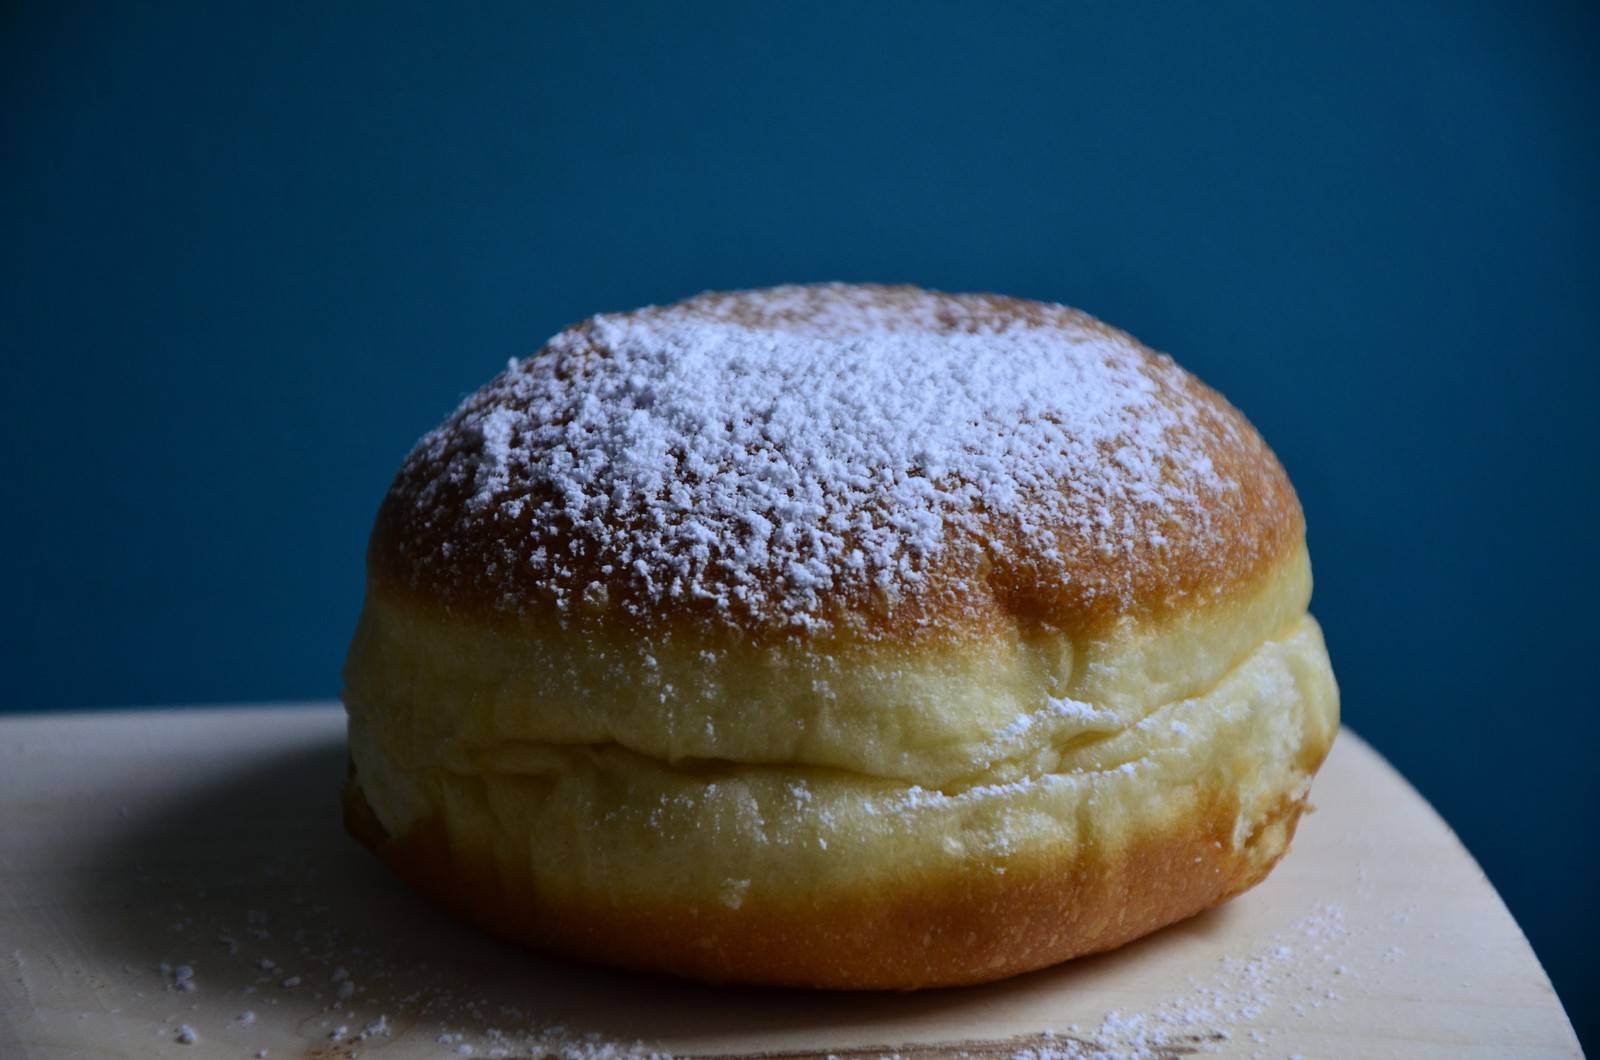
[{"x": 250, "y": 255}]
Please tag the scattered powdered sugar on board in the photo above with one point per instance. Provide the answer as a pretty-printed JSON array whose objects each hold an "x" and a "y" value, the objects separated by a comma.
[
  {"x": 309, "y": 965},
  {"x": 180, "y": 978},
  {"x": 1299, "y": 970},
  {"x": 768, "y": 452},
  {"x": 344, "y": 974}
]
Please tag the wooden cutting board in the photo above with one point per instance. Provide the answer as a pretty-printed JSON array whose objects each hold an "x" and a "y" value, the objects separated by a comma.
[{"x": 182, "y": 874}]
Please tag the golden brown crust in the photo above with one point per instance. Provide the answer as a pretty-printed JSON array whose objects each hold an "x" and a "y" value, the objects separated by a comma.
[
  {"x": 963, "y": 929},
  {"x": 922, "y": 689},
  {"x": 434, "y": 537}
]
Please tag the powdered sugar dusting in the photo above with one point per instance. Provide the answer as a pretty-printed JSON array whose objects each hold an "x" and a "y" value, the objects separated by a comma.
[
  {"x": 1243, "y": 1004},
  {"x": 1248, "y": 1002},
  {"x": 1297, "y": 971},
  {"x": 761, "y": 454}
]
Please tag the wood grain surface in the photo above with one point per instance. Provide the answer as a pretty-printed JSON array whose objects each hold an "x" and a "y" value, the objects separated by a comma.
[{"x": 176, "y": 883}]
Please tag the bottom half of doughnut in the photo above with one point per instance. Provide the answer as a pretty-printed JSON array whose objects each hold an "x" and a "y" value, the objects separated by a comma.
[{"x": 762, "y": 873}]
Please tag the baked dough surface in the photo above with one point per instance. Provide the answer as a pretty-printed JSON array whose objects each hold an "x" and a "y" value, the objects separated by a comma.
[
  {"x": 1038, "y": 720},
  {"x": 837, "y": 463}
]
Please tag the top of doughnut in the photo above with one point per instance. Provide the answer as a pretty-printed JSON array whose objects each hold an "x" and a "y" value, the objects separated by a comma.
[{"x": 836, "y": 461}]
